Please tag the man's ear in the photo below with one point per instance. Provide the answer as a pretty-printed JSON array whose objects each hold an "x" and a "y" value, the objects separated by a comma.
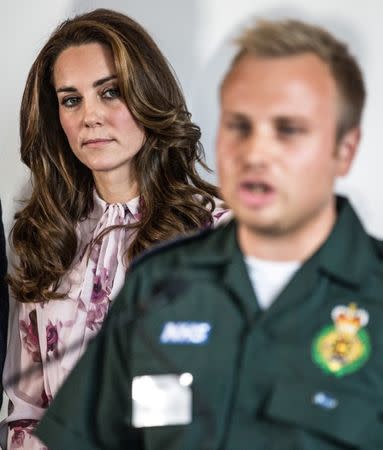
[{"x": 346, "y": 150}]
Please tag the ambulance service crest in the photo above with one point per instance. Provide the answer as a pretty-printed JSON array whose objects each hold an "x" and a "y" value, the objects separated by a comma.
[{"x": 344, "y": 346}]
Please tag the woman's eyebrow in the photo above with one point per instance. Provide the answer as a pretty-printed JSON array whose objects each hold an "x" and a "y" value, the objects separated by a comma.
[
  {"x": 104, "y": 80},
  {"x": 96, "y": 83}
]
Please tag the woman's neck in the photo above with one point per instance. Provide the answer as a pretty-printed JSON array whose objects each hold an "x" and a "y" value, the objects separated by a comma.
[{"x": 115, "y": 189}]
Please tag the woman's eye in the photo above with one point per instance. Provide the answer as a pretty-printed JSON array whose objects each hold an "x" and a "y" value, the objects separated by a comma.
[
  {"x": 70, "y": 102},
  {"x": 111, "y": 93}
]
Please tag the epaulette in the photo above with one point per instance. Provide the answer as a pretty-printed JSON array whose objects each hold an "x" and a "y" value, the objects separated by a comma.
[
  {"x": 167, "y": 245},
  {"x": 378, "y": 245}
]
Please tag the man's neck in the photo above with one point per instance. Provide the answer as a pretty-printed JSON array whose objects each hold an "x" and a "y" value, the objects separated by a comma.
[{"x": 296, "y": 245}]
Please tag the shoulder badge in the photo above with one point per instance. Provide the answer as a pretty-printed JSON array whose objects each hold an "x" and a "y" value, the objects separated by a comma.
[{"x": 343, "y": 347}]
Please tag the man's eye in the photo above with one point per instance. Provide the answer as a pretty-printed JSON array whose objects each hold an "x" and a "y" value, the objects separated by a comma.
[
  {"x": 111, "y": 93},
  {"x": 286, "y": 129},
  {"x": 70, "y": 102},
  {"x": 239, "y": 127}
]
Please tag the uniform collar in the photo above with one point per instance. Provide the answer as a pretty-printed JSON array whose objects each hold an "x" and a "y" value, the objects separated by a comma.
[
  {"x": 224, "y": 256},
  {"x": 348, "y": 252},
  {"x": 346, "y": 255}
]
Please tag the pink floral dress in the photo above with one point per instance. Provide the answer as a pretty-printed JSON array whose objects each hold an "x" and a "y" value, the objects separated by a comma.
[{"x": 58, "y": 331}]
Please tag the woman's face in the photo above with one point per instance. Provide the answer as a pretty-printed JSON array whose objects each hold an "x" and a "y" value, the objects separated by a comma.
[{"x": 99, "y": 127}]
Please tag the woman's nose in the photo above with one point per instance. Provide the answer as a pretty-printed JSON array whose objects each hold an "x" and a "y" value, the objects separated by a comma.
[{"x": 93, "y": 115}]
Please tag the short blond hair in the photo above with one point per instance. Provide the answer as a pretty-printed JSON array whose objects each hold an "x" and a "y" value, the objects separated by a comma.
[{"x": 272, "y": 39}]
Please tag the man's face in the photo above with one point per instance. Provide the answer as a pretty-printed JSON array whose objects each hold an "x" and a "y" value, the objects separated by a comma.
[{"x": 276, "y": 146}]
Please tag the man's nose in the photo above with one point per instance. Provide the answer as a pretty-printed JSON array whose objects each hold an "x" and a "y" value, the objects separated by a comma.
[{"x": 259, "y": 148}]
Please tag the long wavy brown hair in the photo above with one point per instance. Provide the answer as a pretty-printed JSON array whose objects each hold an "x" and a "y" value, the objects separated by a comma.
[{"x": 174, "y": 198}]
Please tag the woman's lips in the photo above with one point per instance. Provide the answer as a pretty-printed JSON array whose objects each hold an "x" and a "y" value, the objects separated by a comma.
[{"x": 95, "y": 143}]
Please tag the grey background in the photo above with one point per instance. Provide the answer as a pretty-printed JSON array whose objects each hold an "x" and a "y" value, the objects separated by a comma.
[{"x": 196, "y": 35}]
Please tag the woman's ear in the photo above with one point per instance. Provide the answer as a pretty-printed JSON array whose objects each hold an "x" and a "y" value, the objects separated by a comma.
[{"x": 346, "y": 150}]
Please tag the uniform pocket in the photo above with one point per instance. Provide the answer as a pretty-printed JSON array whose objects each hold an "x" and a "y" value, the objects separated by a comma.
[{"x": 348, "y": 417}]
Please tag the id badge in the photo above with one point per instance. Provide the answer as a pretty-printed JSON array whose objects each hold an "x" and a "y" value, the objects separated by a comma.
[{"x": 160, "y": 400}]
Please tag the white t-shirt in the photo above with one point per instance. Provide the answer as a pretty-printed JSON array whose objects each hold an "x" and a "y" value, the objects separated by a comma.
[{"x": 269, "y": 277}]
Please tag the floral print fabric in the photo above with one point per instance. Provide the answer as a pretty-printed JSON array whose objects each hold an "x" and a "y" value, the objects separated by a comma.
[{"x": 57, "y": 332}]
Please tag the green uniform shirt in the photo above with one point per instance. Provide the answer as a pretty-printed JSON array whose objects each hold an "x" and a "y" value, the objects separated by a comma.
[{"x": 305, "y": 374}]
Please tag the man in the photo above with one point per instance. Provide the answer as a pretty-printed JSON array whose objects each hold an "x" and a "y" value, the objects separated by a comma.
[
  {"x": 266, "y": 333},
  {"x": 3, "y": 300}
]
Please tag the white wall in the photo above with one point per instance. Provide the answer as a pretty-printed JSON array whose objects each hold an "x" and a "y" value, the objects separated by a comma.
[{"x": 195, "y": 35}]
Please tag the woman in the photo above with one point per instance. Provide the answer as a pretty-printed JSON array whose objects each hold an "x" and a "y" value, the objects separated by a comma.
[
  {"x": 3, "y": 300},
  {"x": 112, "y": 153}
]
